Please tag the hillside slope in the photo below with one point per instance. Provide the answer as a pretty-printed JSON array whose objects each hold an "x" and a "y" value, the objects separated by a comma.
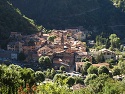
[
  {"x": 97, "y": 15},
  {"x": 119, "y": 4},
  {"x": 11, "y": 20}
]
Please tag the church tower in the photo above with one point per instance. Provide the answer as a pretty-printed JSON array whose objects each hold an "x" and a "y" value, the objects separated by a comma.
[{"x": 62, "y": 39}]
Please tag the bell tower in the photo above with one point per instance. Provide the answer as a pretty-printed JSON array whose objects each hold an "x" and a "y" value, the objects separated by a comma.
[{"x": 62, "y": 39}]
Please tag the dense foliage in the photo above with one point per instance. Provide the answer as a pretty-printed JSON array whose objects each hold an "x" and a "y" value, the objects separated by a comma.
[
  {"x": 94, "y": 15},
  {"x": 120, "y": 4},
  {"x": 13, "y": 76},
  {"x": 45, "y": 62},
  {"x": 11, "y": 20},
  {"x": 17, "y": 80},
  {"x": 112, "y": 42}
]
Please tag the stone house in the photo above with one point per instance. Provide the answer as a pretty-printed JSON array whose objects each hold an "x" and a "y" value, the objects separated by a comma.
[
  {"x": 15, "y": 46},
  {"x": 43, "y": 51},
  {"x": 79, "y": 66},
  {"x": 82, "y": 55},
  {"x": 80, "y": 36},
  {"x": 108, "y": 54},
  {"x": 29, "y": 47},
  {"x": 15, "y": 36},
  {"x": 39, "y": 42},
  {"x": 63, "y": 58},
  {"x": 8, "y": 55}
]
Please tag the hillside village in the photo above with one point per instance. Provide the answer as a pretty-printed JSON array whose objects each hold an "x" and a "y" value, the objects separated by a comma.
[
  {"x": 63, "y": 59},
  {"x": 63, "y": 47}
]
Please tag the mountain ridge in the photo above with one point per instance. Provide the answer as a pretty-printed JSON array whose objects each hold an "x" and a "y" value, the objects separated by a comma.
[
  {"x": 11, "y": 20},
  {"x": 99, "y": 15}
]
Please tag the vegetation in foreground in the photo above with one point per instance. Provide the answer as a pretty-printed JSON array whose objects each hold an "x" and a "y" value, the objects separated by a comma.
[{"x": 17, "y": 80}]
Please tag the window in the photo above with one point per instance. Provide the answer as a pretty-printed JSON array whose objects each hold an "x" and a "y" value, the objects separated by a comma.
[
  {"x": 108, "y": 53},
  {"x": 112, "y": 57},
  {"x": 43, "y": 52}
]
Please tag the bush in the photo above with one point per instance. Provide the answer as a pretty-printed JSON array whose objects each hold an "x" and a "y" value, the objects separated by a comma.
[
  {"x": 89, "y": 78},
  {"x": 85, "y": 67},
  {"x": 116, "y": 71},
  {"x": 92, "y": 70},
  {"x": 103, "y": 69},
  {"x": 70, "y": 81},
  {"x": 62, "y": 68}
]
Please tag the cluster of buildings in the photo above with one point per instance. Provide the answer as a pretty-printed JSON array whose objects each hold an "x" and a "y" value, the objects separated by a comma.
[{"x": 66, "y": 49}]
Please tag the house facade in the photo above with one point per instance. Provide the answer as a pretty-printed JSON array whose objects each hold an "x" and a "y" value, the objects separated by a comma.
[
  {"x": 63, "y": 58},
  {"x": 108, "y": 54},
  {"x": 14, "y": 46},
  {"x": 82, "y": 55}
]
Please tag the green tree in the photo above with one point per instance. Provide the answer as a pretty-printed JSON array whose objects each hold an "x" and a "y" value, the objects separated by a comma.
[
  {"x": 9, "y": 79},
  {"x": 84, "y": 60},
  {"x": 79, "y": 80},
  {"x": 121, "y": 48},
  {"x": 51, "y": 38},
  {"x": 92, "y": 70},
  {"x": 27, "y": 74},
  {"x": 113, "y": 87},
  {"x": 121, "y": 65},
  {"x": 83, "y": 91},
  {"x": 89, "y": 78},
  {"x": 107, "y": 45},
  {"x": 62, "y": 68},
  {"x": 111, "y": 62},
  {"x": 85, "y": 67},
  {"x": 99, "y": 40},
  {"x": 96, "y": 85},
  {"x": 114, "y": 40},
  {"x": 41, "y": 60},
  {"x": 60, "y": 79},
  {"x": 116, "y": 71},
  {"x": 39, "y": 76},
  {"x": 103, "y": 69},
  {"x": 48, "y": 73},
  {"x": 59, "y": 76},
  {"x": 100, "y": 58},
  {"x": 45, "y": 61},
  {"x": 112, "y": 37},
  {"x": 117, "y": 42},
  {"x": 70, "y": 81},
  {"x": 53, "y": 72},
  {"x": 94, "y": 60},
  {"x": 53, "y": 88}
]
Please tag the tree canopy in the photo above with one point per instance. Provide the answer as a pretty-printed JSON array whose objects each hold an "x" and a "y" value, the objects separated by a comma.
[
  {"x": 85, "y": 67},
  {"x": 92, "y": 14},
  {"x": 45, "y": 61},
  {"x": 103, "y": 69},
  {"x": 114, "y": 40}
]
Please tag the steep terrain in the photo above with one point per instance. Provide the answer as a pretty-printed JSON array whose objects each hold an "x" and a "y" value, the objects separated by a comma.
[
  {"x": 11, "y": 20},
  {"x": 119, "y": 4},
  {"x": 100, "y": 15}
]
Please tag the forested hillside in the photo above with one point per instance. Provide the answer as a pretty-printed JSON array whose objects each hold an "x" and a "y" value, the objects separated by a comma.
[
  {"x": 11, "y": 20},
  {"x": 94, "y": 15},
  {"x": 119, "y": 4}
]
